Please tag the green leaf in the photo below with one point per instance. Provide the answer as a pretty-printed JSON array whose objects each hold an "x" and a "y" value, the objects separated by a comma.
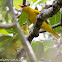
[
  {"x": 16, "y": 3},
  {"x": 4, "y": 38},
  {"x": 9, "y": 16},
  {"x": 6, "y": 31},
  {"x": 9, "y": 44},
  {"x": 4, "y": 14},
  {"x": 23, "y": 18},
  {"x": 10, "y": 30},
  {"x": 2, "y": 4},
  {"x": 3, "y": 31},
  {"x": 5, "y": 41},
  {"x": 14, "y": 45},
  {"x": 50, "y": 53},
  {"x": 38, "y": 49},
  {"x": 1, "y": 44},
  {"x": 54, "y": 20},
  {"x": 58, "y": 29},
  {"x": 48, "y": 44}
]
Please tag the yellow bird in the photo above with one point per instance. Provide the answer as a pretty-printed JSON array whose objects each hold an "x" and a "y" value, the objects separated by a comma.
[
  {"x": 25, "y": 28},
  {"x": 32, "y": 14}
]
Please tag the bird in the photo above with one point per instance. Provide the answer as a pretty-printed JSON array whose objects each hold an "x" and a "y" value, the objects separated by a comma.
[
  {"x": 25, "y": 28},
  {"x": 32, "y": 14}
]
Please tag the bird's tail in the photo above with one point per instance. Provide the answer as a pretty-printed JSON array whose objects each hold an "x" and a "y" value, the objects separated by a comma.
[
  {"x": 48, "y": 28},
  {"x": 55, "y": 35}
]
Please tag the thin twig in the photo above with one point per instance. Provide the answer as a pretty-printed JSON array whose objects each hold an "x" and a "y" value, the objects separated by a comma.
[{"x": 7, "y": 26}]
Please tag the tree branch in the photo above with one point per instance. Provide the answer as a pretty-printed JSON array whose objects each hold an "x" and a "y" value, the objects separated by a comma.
[
  {"x": 7, "y": 26},
  {"x": 44, "y": 15},
  {"x": 24, "y": 2},
  {"x": 24, "y": 41}
]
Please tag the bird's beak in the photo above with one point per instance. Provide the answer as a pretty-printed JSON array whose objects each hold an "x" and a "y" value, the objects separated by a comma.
[{"x": 22, "y": 6}]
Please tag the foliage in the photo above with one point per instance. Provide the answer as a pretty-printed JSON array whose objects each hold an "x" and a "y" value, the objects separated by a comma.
[
  {"x": 38, "y": 49},
  {"x": 54, "y": 20},
  {"x": 2, "y": 4},
  {"x": 23, "y": 18},
  {"x": 16, "y": 3},
  {"x": 10, "y": 41}
]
